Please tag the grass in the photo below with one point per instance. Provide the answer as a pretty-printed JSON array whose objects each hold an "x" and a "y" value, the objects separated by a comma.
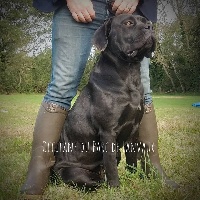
[{"x": 179, "y": 139}]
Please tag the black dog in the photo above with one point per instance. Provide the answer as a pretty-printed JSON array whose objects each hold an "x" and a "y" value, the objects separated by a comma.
[{"x": 109, "y": 110}]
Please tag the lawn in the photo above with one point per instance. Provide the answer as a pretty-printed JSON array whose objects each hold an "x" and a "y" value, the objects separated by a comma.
[{"x": 179, "y": 147}]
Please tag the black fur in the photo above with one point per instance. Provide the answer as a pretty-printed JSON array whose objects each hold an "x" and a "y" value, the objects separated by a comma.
[{"x": 108, "y": 112}]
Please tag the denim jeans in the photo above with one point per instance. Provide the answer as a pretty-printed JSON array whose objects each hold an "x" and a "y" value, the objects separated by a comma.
[
  {"x": 71, "y": 46},
  {"x": 145, "y": 79}
]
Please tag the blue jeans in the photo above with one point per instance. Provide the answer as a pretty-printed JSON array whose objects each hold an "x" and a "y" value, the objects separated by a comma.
[{"x": 71, "y": 46}]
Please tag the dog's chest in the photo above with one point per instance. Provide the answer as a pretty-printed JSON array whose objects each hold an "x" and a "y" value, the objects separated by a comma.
[{"x": 129, "y": 120}]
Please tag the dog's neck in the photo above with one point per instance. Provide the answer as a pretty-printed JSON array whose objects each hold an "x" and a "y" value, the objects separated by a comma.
[{"x": 128, "y": 72}]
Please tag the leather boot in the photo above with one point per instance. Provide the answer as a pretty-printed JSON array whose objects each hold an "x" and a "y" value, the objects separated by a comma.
[
  {"x": 148, "y": 136},
  {"x": 48, "y": 126}
]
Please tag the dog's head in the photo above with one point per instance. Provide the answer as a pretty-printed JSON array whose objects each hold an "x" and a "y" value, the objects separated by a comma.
[{"x": 129, "y": 37}]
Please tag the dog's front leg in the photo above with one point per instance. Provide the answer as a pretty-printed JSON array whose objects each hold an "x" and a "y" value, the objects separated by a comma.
[{"x": 109, "y": 158}]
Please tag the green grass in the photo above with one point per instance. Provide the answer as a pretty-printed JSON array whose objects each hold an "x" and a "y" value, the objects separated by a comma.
[{"x": 179, "y": 147}]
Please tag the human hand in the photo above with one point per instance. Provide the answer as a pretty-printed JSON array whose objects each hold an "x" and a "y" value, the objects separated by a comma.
[
  {"x": 124, "y": 6},
  {"x": 81, "y": 10}
]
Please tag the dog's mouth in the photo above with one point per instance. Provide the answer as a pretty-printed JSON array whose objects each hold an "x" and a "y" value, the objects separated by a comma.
[
  {"x": 128, "y": 56},
  {"x": 137, "y": 51},
  {"x": 131, "y": 54}
]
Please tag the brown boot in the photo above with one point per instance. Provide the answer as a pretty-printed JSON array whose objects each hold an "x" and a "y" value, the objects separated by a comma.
[
  {"x": 148, "y": 136},
  {"x": 49, "y": 124}
]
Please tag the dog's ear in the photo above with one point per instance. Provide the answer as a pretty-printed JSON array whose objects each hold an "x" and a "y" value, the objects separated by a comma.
[
  {"x": 148, "y": 54},
  {"x": 100, "y": 38}
]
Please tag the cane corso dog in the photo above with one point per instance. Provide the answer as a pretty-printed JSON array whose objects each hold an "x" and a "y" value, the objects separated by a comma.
[{"x": 108, "y": 112}]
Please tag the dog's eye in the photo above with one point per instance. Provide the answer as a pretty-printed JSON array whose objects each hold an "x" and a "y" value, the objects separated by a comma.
[{"x": 128, "y": 23}]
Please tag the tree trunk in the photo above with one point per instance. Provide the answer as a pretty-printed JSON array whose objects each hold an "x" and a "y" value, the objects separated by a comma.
[{"x": 179, "y": 79}]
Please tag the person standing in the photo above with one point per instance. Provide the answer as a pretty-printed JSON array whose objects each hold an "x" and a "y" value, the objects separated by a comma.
[{"x": 73, "y": 26}]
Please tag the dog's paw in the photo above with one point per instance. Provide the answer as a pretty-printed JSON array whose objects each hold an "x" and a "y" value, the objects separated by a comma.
[
  {"x": 172, "y": 184},
  {"x": 114, "y": 183}
]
